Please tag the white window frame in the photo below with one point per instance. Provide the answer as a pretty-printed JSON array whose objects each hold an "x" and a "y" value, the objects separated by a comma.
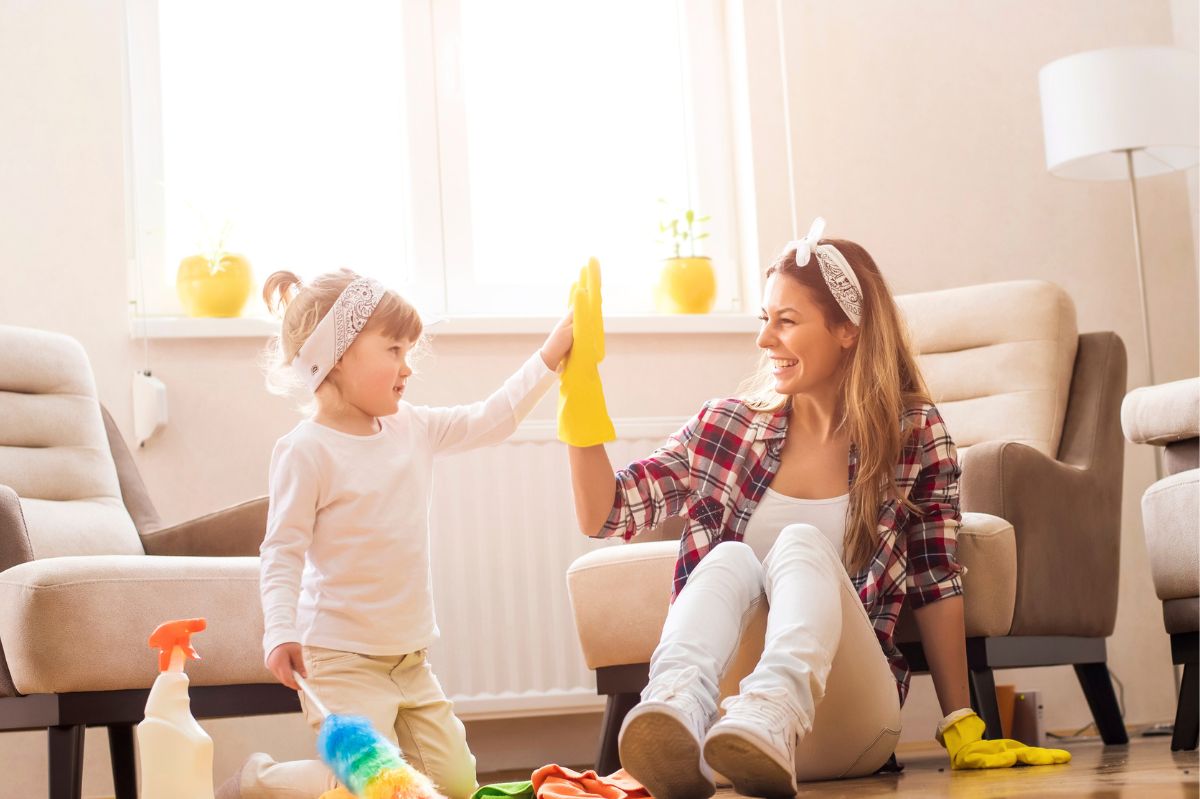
[{"x": 438, "y": 234}]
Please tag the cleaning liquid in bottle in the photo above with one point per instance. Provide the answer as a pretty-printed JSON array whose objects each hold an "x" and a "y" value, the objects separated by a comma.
[{"x": 175, "y": 752}]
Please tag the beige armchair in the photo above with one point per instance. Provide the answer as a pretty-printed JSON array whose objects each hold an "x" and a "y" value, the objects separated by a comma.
[
  {"x": 1168, "y": 416},
  {"x": 87, "y": 571},
  {"x": 1034, "y": 409}
]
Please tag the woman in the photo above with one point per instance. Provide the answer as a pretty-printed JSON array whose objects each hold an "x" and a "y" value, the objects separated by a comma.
[{"x": 829, "y": 489}]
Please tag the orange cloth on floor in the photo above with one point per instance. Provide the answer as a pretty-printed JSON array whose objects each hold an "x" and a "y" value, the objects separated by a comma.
[{"x": 556, "y": 782}]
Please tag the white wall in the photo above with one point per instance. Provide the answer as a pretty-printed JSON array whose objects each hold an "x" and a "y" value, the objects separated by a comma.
[{"x": 918, "y": 134}]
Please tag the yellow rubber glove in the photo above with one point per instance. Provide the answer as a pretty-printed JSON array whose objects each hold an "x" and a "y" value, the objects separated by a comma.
[
  {"x": 582, "y": 415},
  {"x": 963, "y": 741}
]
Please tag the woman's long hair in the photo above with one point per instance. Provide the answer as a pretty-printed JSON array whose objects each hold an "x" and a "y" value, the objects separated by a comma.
[{"x": 880, "y": 381}]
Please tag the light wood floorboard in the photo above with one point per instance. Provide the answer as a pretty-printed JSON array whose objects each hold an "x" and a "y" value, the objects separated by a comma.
[{"x": 1146, "y": 768}]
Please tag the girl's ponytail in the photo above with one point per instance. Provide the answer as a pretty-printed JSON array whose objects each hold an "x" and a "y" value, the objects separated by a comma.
[{"x": 279, "y": 290}]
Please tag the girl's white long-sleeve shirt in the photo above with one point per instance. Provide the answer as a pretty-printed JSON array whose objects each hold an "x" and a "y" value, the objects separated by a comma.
[{"x": 345, "y": 560}]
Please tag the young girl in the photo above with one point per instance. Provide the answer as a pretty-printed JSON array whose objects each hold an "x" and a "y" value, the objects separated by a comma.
[
  {"x": 829, "y": 490},
  {"x": 345, "y": 579}
]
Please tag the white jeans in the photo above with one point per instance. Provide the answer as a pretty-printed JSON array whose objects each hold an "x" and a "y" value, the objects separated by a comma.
[{"x": 819, "y": 646}]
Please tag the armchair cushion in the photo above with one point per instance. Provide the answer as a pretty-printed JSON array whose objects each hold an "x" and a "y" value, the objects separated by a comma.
[
  {"x": 232, "y": 531},
  {"x": 998, "y": 359},
  {"x": 82, "y": 623},
  {"x": 1163, "y": 413},
  {"x": 54, "y": 451}
]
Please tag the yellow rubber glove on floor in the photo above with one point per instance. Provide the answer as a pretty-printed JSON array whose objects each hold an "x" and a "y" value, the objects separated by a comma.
[
  {"x": 582, "y": 414},
  {"x": 963, "y": 741}
]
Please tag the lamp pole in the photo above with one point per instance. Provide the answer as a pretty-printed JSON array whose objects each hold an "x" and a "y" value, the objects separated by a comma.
[{"x": 1141, "y": 267}]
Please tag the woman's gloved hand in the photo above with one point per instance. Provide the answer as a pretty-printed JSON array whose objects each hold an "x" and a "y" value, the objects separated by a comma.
[
  {"x": 583, "y": 419},
  {"x": 961, "y": 733}
]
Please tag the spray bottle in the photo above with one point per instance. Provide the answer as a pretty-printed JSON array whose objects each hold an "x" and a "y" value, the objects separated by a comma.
[{"x": 176, "y": 753}]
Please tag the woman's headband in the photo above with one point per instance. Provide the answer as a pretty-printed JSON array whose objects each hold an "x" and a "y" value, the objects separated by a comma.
[
  {"x": 337, "y": 330},
  {"x": 839, "y": 277}
]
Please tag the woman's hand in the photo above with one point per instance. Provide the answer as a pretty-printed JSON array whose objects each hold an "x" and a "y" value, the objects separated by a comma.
[
  {"x": 285, "y": 659},
  {"x": 559, "y": 342}
]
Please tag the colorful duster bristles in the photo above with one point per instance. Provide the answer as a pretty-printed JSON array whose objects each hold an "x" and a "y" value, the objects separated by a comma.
[{"x": 369, "y": 765}]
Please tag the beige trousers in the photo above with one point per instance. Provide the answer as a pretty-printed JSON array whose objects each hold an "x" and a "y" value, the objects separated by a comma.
[{"x": 404, "y": 701}]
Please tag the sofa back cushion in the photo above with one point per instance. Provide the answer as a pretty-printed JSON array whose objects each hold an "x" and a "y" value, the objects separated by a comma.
[
  {"x": 54, "y": 452},
  {"x": 998, "y": 359}
]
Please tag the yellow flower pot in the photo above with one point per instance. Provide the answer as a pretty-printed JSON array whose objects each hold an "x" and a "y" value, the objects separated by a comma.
[
  {"x": 208, "y": 291},
  {"x": 686, "y": 285}
]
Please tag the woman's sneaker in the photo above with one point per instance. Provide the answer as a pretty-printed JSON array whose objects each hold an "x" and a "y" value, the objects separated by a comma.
[
  {"x": 660, "y": 740},
  {"x": 754, "y": 745}
]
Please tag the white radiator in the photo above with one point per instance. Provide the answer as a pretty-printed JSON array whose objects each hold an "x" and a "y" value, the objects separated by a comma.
[{"x": 504, "y": 533}]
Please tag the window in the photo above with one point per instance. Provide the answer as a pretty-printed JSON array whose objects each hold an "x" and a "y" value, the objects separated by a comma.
[{"x": 469, "y": 153}]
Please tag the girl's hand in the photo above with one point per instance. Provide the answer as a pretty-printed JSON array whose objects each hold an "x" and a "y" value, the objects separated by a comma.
[
  {"x": 285, "y": 659},
  {"x": 559, "y": 342}
]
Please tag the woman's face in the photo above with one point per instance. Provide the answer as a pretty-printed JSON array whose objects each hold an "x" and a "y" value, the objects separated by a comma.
[{"x": 805, "y": 354}]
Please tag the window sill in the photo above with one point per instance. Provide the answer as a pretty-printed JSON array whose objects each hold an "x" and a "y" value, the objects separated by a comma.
[{"x": 165, "y": 327}]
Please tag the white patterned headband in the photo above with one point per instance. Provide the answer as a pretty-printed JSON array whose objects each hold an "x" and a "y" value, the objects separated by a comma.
[
  {"x": 839, "y": 277},
  {"x": 337, "y": 330}
]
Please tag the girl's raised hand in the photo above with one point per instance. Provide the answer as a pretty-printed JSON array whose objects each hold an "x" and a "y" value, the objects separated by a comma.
[{"x": 559, "y": 342}]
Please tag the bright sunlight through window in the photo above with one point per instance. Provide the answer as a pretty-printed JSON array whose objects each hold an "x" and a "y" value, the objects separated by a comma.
[{"x": 284, "y": 125}]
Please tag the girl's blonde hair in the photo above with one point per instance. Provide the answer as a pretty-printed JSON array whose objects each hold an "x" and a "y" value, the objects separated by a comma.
[
  {"x": 302, "y": 305},
  {"x": 880, "y": 381}
]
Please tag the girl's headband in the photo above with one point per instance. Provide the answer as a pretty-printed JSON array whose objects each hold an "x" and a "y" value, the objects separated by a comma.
[
  {"x": 839, "y": 277},
  {"x": 337, "y": 330}
]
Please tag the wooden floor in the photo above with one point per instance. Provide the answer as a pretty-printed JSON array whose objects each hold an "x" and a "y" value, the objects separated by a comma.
[{"x": 1145, "y": 768}]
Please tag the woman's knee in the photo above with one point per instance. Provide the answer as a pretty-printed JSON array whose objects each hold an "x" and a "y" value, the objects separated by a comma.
[
  {"x": 735, "y": 556},
  {"x": 802, "y": 541},
  {"x": 805, "y": 535}
]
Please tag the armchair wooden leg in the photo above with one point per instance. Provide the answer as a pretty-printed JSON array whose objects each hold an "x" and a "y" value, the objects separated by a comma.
[
  {"x": 1098, "y": 689},
  {"x": 66, "y": 761},
  {"x": 983, "y": 699},
  {"x": 608, "y": 760},
  {"x": 1187, "y": 714},
  {"x": 124, "y": 769}
]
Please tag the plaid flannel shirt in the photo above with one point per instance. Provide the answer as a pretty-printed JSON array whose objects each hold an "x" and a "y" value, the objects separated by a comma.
[{"x": 717, "y": 467}]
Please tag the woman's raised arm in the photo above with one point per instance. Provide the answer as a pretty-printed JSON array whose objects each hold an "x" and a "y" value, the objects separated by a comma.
[{"x": 594, "y": 485}]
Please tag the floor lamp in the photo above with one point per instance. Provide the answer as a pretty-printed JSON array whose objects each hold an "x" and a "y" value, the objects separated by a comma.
[{"x": 1125, "y": 112}]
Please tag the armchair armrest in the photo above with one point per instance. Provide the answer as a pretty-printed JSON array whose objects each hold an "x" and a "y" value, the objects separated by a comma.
[
  {"x": 1163, "y": 413},
  {"x": 14, "y": 538},
  {"x": 1067, "y": 524},
  {"x": 233, "y": 531},
  {"x": 620, "y": 595}
]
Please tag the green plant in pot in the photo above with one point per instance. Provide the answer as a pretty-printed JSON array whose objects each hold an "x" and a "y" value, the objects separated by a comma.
[{"x": 687, "y": 283}]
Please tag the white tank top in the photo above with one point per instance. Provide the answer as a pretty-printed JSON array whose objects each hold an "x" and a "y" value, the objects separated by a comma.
[{"x": 776, "y": 511}]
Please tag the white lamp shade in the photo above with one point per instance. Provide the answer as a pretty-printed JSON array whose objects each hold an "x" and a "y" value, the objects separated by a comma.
[{"x": 1097, "y": 104}]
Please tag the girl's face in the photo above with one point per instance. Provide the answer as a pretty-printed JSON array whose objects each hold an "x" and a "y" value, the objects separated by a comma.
[
  {"x": 806, "y": 355},
  {"x": 372, "y": 374}
]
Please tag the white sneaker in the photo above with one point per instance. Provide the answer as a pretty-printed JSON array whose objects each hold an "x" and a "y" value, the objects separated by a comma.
[
  {"x": 660, "y": 739},
  {"x": 754, "y": 745}
]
